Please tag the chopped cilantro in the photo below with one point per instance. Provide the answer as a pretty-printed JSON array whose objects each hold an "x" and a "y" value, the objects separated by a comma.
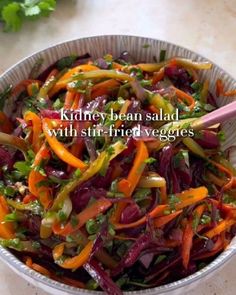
[
  {"x": 162, "y": 55},
  {"x": 66, "y": 62},
  {"x": 150, "y": 160},
  {"x": 146, "y": 46},
  {"x": 221, "y": 136},
  {"x": 74, "y": 221},
  {"x": 62, "y": 216}
]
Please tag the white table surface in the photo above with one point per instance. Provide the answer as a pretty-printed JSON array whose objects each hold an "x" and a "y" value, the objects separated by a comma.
[{"x": 205, "y": 26}]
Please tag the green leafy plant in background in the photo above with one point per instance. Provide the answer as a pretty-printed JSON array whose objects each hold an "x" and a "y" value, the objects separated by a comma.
[{"x": 13, "y": 13}]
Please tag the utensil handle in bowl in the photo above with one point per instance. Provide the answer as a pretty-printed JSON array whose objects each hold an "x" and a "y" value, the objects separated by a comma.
[{"x": 218, "y": 116}]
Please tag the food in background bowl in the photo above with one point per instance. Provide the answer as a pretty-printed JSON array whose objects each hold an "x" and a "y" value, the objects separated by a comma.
[{"x": 114, "y": 212}]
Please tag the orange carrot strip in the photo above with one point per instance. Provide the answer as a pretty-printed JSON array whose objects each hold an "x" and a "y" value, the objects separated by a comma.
[
  {"x": 153, "y": 109},
  {"x": 79, "y": 260},
  {"x": 53, "y": 73},
  {"x": 37, "y": 129},
  {"x": 104, "y": 87},
  {"x": 184, "y": 96},
  {"x": 29, "y": 198},
  {"x": 123, "y": 110},
  {"x": 6, "y": 228},
  {"x": 59, "y": 149},
  {"x": 99, "y": 206},
  {"x": 40, "y": 269},
  {"x": 230, "y": 93},
  {"x": 42, "y": 192},
  {"x": 75, "y": 104},
  {"x": 154, "y": 213},
  {"x": 187, "y": 198},
  {"x": 138, "y": 166},
  {"x": 58, "y": 251},
  {"x": 128, "y": 185},
  {"x": 116, "y": 66},
  {"x": 36, "y": 267},
  {"x": 30, "y": 88},
  {"x": 227, "y": 171},
  {"x": 61, "y": 84},
  {"x": 23, "y": 85},
  {"x": 219, "y": 87},
  {"x": 222, "y": 226},
  {"x": 158, "y": 76},
  {"x": 187, "y": 242},
  {"x": 163, "y": 220},
  {"x": 69, "y": 281},
  {"x": 29, "y": 262},
  {"x": 69, "y": 98}
]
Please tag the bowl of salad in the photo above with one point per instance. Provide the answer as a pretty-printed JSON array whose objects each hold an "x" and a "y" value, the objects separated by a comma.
[{"x": 116, "y": 212}]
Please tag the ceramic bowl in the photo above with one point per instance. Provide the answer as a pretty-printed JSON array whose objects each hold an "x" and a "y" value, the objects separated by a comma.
[{"x": 143, "y": 49}]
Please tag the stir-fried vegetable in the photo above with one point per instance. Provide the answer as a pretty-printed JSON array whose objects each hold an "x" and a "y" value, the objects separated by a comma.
[{"x": 122, "y": 212}]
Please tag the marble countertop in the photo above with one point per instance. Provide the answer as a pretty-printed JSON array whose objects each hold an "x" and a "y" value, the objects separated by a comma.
[{"x": 207, "y": 27}]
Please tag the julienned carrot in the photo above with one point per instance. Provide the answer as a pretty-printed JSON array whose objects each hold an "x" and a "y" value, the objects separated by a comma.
[
  {"x": 153, "y": 109},
  {"x": 186, "y": 198},
  {"x": 6, "y": 125},
  {"x": 104, "y": 87},
  {"x": 189, "y": 233},
  {"x": 35, "y": 180},
  {"x": 99, "y": 206},
  {"x": 128, "y": 185},
  {"x": 158, "y": 211},
  {"x": 138, "y": 166},
  {"x": 23, "y": 85},
  {"x": 62, "y": 85},
  {"x": 158, "y": 76},
  {"x": 58, "y": 251},
  {"x": 219, "y": 87},
  {"x": 92, "y": 170},
  {"x": 123, "y": 110},
  {"x": 227, "y": 171},
  {"x": 185, "y": 96},
  {"x": 31, "y": 87},
  {"x": 230, "y": 93},
  {"x": 68, "y": 281},
  {"x": 117, "y": 66},
  {"x": 29, "y": 198},
  {"x": 59, "y": 149},
  {"x": 222, "y": 226},
  {"x": 79, "y": 260},
  {"x": 40, "y": 269},
  {"x": 46, "y": 272},
  {"x": 37, "y": 267},
  {"x": 187, "y": 242},
  {"x": 53, "y": 73},
  {"x": 219, "y": 246},
  {"x": 6, "y": 228},
  {"x": 75, "y": 104},
  {"x": 163, "y": 220},
  {"x": 37, "y": 129},
  {"x": 69, "y": 98}
]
